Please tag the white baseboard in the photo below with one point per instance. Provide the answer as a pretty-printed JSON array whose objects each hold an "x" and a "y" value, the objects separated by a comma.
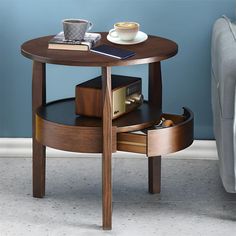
[{"x": 22, "y": 147}]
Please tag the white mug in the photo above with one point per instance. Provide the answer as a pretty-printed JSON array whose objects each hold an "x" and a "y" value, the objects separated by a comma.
[{"x": 126, "y": 31}]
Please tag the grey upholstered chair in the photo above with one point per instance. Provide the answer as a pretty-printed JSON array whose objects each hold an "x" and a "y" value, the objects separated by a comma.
[{"x": 223, "y": 54}]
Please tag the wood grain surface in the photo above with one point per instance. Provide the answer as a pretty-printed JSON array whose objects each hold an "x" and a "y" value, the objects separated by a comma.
[
  {"x": 154, "y": 49},
  {"x": 154, "y": 99},
  {"x": 160, "y": 141},
  {"x": 107, "y": 149},
  {"x": 55, "y": 124},
  {"x": 63, "y": 112},
  {"x": 71, "y": 138},
  {"x": 39, "y": 158}
]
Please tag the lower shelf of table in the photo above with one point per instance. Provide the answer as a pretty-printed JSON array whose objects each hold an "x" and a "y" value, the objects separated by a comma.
[{"x": 58, "y": 126}]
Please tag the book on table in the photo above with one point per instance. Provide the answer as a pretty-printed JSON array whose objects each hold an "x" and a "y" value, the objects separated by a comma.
[{"x": 59, "y": 42}]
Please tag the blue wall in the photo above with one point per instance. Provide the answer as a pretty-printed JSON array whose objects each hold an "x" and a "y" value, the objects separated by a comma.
[{"x": 186, "y": 77}]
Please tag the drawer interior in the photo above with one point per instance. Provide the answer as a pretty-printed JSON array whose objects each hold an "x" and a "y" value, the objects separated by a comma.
[{"x": 158, "y": 140}]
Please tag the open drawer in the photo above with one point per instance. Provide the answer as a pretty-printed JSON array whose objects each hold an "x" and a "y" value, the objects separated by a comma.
[{"x": 160, "y": 141}]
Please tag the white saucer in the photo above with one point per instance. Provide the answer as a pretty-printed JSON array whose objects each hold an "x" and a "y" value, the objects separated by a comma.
[{"x": 140, "y": 37}]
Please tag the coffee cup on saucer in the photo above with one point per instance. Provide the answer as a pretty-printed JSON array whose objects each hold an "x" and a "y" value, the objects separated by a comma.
[
  {"x": 75, "y": 29},
  {"x": 125, "y": 31}
]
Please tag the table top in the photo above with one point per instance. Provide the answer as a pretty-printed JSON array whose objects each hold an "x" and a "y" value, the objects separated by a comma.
[{"x": 154, "y": 49}]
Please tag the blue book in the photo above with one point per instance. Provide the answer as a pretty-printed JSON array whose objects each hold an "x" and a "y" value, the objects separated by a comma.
[{"x": 111, "y": 51}]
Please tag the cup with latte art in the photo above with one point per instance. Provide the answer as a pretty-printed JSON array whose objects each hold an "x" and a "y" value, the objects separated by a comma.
[{"x": 126, "y": 31}]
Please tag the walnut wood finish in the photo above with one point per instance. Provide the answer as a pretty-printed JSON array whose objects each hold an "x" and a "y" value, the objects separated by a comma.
[
  {"x": 71, "y": 138},
  {"x": 160, "y": 141},
  {"x": 38, "y": 99},
  {"x": 131, "y": 142},
  {"x": 107, "y": 149},
  {"x": 63, "y": 112},
  {"x": 154, "y": 174},
  {"x": 88, "y": 98},
  {"x": 155, "y": 85},
  {"x": 88, "y": 101},
  {"x": 155, "y": 99},
  {"x": 172, "y": 139},
  {"x": 154, "y": 49}
]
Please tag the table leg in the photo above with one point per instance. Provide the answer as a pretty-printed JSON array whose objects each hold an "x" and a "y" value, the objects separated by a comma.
[
  {"x": 155, "y": 99},
  {"x": 154, "y": 174},
  {"x": 38, "y": 99},
  {"x": 107, "y": 149}
]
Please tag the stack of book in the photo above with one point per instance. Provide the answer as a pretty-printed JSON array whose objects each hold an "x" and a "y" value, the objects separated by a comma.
[{"x": 59, "y": 42}]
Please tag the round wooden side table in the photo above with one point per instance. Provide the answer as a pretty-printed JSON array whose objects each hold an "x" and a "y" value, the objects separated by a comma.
[{"x": 56, "y": 125}]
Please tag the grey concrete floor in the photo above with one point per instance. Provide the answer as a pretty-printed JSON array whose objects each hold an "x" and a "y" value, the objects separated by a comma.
[{"x": 192, "y": 200}]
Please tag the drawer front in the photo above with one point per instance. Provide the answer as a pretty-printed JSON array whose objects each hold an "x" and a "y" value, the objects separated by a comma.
[
  {"x": 160, "y": 141},
  {"x": 131, "y": 142}
]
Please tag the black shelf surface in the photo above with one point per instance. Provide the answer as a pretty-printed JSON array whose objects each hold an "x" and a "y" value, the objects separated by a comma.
[{"x": 63, "y": 112}]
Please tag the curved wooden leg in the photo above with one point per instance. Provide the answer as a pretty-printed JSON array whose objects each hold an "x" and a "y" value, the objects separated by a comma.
[
  {"x": 107, "y": 149},
  {"x": 154, "y": 174},
  {"x": 38, "y": 99}
]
